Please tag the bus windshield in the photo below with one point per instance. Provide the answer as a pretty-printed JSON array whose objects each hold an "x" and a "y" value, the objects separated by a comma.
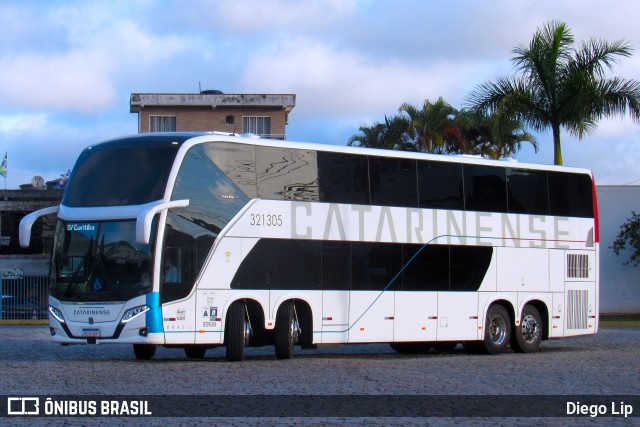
[
  {"x": 100, "y": 261},
  {"x": 117, "y": 174}
]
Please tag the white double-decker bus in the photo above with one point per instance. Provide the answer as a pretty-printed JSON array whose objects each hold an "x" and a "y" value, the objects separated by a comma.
[{"x": 205, "y": 240}]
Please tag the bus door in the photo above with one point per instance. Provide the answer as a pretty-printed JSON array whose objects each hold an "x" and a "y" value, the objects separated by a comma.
[{"x": 176, "y": 282}]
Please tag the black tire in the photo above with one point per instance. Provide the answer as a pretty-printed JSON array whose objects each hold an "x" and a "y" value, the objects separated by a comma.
[
  {"x": 411, "y": 347},
  {"x": 474, "y": 347},
  {"x": 444, "y": 346},
  {"x": 144, "y": 351},
  {"x": 527, "y": 336},
  {"x": 195, "y": 351},
  {"x": 287, "y": 330},
  {"x": 235, "y": 332},
  {"x": 497, "y": 330}
]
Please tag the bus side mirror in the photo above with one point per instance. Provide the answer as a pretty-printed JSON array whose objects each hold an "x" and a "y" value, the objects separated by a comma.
[
  {"x": 145, "y": 217},
  {"x": 26, "y": 223}
]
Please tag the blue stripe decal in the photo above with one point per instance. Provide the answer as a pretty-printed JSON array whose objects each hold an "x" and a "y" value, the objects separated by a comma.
[{"x": 153, "y": 317}]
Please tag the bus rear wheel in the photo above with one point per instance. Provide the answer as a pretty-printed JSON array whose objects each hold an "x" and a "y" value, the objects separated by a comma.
[
  {"x": 528, "y": 335},
  {"x": 497, "y": 332},
  {"x": 144, "y": 351},
  {"x": 237, "y": 332},
  {"x": 287, "y": 330}
]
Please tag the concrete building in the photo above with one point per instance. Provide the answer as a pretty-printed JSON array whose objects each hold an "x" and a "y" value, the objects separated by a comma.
[
  {"x": 261, "y": 114},
  {"x": 619, "y": 283},
  {"x": 14, "y": 205}
]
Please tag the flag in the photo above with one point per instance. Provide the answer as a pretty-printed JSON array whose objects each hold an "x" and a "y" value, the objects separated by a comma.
[{"x": 3, "y": 166}]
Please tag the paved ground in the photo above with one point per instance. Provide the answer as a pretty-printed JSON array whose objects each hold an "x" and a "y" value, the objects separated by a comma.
[{"x": 605, "y": 364}]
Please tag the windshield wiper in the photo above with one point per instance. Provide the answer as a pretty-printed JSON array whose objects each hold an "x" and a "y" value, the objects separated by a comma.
[{"x": 73, "y": 283}]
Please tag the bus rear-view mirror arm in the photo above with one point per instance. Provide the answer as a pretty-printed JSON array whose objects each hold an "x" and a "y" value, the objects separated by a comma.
[
  {"x": 145, "y": 218},
  {"x": 26, "y": 223}
]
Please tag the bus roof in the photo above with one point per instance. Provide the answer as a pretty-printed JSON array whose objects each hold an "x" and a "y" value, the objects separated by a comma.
[{"x": 192, "y": 138}]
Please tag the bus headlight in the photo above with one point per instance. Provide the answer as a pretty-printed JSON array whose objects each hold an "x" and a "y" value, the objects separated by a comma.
[
  {"x": 56, "y": 313},
  {"x": 134, "y": 312}
]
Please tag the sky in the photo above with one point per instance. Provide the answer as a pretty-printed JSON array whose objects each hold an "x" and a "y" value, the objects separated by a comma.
[{"x": 68, "y": 68}]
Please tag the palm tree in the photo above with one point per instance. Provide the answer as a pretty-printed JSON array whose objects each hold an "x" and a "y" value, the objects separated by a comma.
[
  {"x": 392, "y": 135},
  {"x": 494, "y": 136},
  {"x": 369, "y": 136},
  {"x": 433, "y": 127},
  {"x": 561, "y": 87}
]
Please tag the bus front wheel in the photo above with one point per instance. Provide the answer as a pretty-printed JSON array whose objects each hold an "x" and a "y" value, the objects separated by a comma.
[
  {"x": 144, "y": 351},
  {"x": 237, "y": 332},
  {"x": 528, "y": 335},
  {"x": 287, "y": 330}
]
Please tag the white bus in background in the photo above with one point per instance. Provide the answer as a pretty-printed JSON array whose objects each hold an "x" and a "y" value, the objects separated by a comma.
[{"x": 205, "y": 240}]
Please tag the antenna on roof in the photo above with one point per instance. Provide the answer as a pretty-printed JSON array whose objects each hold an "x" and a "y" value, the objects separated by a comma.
[{"x": 199, "y": 87}]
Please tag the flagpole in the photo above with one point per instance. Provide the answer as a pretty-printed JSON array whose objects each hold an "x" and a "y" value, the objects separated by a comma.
[{"x": 3, "y": 170}]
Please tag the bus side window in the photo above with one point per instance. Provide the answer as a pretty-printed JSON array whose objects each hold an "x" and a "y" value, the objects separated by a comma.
[
  {"x": 393, "y": 182},
  {"x": 570, "y": 194},
  {"x": 343, "y": 178},
  {"x": 485, "y": 188},
  {"x": 440, "y": 185}
]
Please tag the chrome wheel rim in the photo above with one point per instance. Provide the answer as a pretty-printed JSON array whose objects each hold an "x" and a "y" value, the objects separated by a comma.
[
  {"x": 295, "y": 331},
  {"x": 530, "y": 329},
  {"x": 247, "y": 332},
  {"x": 498, "y": 330}
]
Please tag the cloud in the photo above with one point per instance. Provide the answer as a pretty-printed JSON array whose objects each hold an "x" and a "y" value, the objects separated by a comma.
[
  {"x": 249, "y": 16},
  {"x": 75, "y": 80},
  {"x": 17, "y": 123},
  {"x": 83, "y": 73},
  {"x": 68, "y": 67},
  {"x": 335, "y": 82}
]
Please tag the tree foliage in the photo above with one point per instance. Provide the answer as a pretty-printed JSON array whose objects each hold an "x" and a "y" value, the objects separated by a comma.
[
  {"x": 439, "y": 128},
  {"x": 561, "y": 87},
  {"x": 629, "y": 236}
]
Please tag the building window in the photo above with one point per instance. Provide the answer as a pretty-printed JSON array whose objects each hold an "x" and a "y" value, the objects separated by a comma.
[
  {"x": 229, "y": 120},
  {"x": 162, "y": 123},
  {"x": 258, "y": 125}
]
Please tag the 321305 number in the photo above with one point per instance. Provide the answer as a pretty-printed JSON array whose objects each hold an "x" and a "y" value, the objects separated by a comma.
[{"x": 266, "y": 220}]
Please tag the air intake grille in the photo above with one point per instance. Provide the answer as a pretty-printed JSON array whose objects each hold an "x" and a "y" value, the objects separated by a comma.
[
  {"x": 577, "y": 266},
  {"x": 577, "y": 309}
]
